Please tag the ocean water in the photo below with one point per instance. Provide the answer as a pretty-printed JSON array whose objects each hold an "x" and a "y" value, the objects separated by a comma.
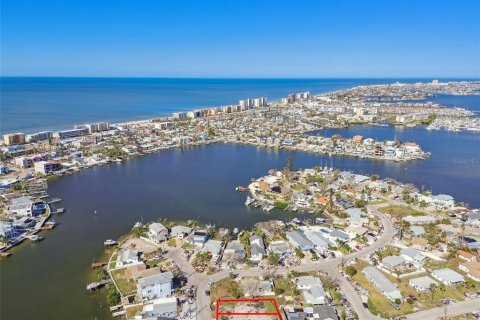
[{"x": 37, "y": 104}]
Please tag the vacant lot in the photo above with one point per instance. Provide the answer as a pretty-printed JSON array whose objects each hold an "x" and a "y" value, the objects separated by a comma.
[{"x": 399, "y": 212}]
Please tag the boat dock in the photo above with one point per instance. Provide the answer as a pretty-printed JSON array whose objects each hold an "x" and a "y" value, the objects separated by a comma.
[
  {"x": 99, "y": 264},
  {"x": 98, "y": 284}
]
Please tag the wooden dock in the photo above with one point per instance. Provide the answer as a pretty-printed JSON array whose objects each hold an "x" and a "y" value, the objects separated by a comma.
[
  {"x": 99, "y": 284},
  {"x": 99, "y": 264}
]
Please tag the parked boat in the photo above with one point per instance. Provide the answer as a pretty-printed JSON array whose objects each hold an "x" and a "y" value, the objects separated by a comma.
[
  {"x": 35, "y": 238},
  {"x": 249, "y": 201},
  {"x": 110, "y": 242}
]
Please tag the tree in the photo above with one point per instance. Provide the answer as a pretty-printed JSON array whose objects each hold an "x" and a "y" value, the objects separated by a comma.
[
  {"x": 433, "y": 289},
  {"x": 314, "y": 256},
  {"x": 113, "y": 296},
  {"x": 290, "y": 164},
  {"x": 299, "y": 253},
  {"x": 351, "y": 271},
  {"x": 398, "y": 301},
  {"x": 273, "y": 259}
]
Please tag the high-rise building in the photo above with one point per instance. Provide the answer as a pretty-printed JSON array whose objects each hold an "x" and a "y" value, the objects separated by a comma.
[
  {"x": 39, "y": 136},
  {"x": 13, "y": 138}
]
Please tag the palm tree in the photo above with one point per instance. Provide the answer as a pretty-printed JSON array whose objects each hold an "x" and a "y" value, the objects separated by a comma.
[{"x": 433, "y": 289}]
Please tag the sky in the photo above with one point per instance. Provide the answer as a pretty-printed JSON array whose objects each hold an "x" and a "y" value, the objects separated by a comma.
[{"x": 241, "y": 38}]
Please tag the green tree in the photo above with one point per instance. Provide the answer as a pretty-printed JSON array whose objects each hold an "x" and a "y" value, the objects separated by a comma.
[
  {"x": 113, "y": 296},
  {"x": 351, "y": 271},
  {"x": 299, "y": 253},
  {"x": 273, "y": 259}
]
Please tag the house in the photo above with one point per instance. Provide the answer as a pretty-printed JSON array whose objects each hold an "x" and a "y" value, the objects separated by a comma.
[
  {"x": 21, "y": 206},
  {"x": 413, "y": 255},
  {"x": 422, "y": 284},
  {"x": 316, "y": 295},
  {"x": 198, "y": 237},
  {"x": 419, "y": 220},
  {"x": 356, "y": 217},
  {"x": 321, "y": 243},
  {"x": 265, "y": 288},
  {"x": 383, "y": 285},
  {"x": 322, "y": 201},
  {"x": 320, "y": 312},
  {"x": 47, "y": 167},
  {"x": 257, "y": 248},
  {"x": 162, "y": 308},
  {"x": 156, "y": 286},
  {"x": 280, "y": 247},
  {"x": 179, "y": 232},
  {"x": 298, "y": 240},
  {"x": 417, "y": 231},
  {"x": 126, "y": 257},
  {"x": 306, "y": 282},
  {"x": 235, "y": 251},
  {"x": 448, "y": 276},
  {"x": 467, "y": 256},
  {"x": 472, "y": 269},
  {"x": 393, "y": 262},
  {"x": 214, "y": 247},
  {"x": 157, "y": 232},
  {"x": 339, "y": 235},
  {"x": 7, "y": 229},
  {"x": 443, "y": 201}
]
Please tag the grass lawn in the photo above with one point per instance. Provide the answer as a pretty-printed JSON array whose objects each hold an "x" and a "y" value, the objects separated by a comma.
[
  {"x": 113, "y": 261},
  {"x": 132, "y": 311},
  {"x": 154, "y": 262},
  {"x": 219, "y": 290},
  {"x": 288, "y": 287},
  {"x": 399, "y": 212},
  {"x": 125, "y": 285},
  {"x": 377, "y": 201}
]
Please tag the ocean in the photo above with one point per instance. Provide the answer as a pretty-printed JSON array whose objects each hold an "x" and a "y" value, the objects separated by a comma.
[{"x": 38, "y": 104}]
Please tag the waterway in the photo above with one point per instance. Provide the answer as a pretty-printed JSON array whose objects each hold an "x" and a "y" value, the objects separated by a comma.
[{"x": 47, "y": 280}]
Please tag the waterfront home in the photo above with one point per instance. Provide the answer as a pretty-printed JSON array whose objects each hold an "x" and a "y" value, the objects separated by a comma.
[
  {"x": 198, "y": 237},
  {"x": 257, "y": 248},
  {"x": 393, "y": 262},
  {"x": 381, "y": 282},
  {"x": 234, "y": 251},
  {"x": 156, "y": 286},
  {"x": 214, "y": 247},
  {"x": 126, "y": 257},
  {"x": 467, "y": 256},
  {"x": 448, "y": 276},
  {"x": 21, "y": 206},
  {"x": 280, "y": 247},
  {"x": 179, "y": 232},
  {"x": 162, "y": 308},
  {"x": 422, "y": 284},
  {"x": 443, "y": 201},
  {"x": 157, "y": 232},
  {"x": 413, "y": 256},
  {"x": 419, "y": 220},
  {"x": 139, "y": 270},
  {"x": 7, "y": 229},
  {"x": 472, "y": 269},
  {"x": 298, "y": 240}
]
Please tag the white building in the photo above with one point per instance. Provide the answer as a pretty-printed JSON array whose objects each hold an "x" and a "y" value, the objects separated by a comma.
[
  {"x": 157, "y": 232},
  {"x": 127, "y": 257},
  {"x": 448, "y": 276},
  {"x": 156, "y": 286}
]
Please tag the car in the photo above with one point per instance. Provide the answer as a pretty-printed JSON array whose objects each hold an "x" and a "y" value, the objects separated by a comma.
[
  {"x": 365, "y": 305},
  {"x": 413, "y": 297},
  {"x": 207, "y": 292}
]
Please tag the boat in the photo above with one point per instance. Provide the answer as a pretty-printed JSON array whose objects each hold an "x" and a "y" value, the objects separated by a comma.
[
  {"x": 235, "y": 230},
  {"x": 110, "y": 242},
  {"x": 137, "y": 225},
  {"x": 241, "y": 189},
  {"x": 35, "y": 238},
  {"x": 268, "y": 208},
  {"x": 54, "y": 200},
  {"x": 249, "y": 201}
]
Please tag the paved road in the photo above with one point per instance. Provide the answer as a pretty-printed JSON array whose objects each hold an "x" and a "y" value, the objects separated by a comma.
[{"x": 452, "y": 310}]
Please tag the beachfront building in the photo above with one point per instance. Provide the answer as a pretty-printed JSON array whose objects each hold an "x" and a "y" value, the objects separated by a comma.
[
  {"x": 47, "y": 167},
  {"x": 157, "y": 232},
  {"x": 422, "y": 284},
  {"x": 21, "y": 206},
  {"x": 39, "y": 136},
  {"x": 13, "y": 138},
  {"x": 448, "y": 276},
  {"x": 66, "y": 134},
  {"x": 381, "y": 282},
  {"x": 156, "y": 286}
]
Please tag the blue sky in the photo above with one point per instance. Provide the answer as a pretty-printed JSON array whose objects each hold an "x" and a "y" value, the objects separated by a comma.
[{"x": 242, "y": 38}]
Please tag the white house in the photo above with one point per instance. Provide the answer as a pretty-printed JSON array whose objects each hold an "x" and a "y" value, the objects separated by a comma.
[
  {"x": 448, "y": 276},
  {"x": 156, "y": 286},
  {"x": 422, "y": 284},
  {"x": 257, "y": 248},
  {"x": 413, "y": 255},
  {"x": 179, "y": 232},
  {"x": 124, "y": 258}
]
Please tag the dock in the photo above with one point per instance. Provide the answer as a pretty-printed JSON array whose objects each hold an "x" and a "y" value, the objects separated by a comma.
[
  {"x": 98, "y": 284},
  {"x": 99, "y": 264}
]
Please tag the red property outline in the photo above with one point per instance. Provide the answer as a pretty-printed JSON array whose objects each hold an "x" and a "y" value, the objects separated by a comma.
[{"x": 219, "y": 314}]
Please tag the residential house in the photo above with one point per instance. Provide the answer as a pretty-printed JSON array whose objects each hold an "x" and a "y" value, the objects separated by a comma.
[
  {"x": 381, "y": 282},
  {"x": 156, "y": 286},
  {"x": 472, "y": 269},
  {"x": 393, "y": 262},
  {"x": 413, "y": 256},
  {"x": 214, "y": 247},
  {"x": 198, "y": 237},
  {"x": 280, "y": 247},
  {"x": 179, "y": 232},
  {"x": 257, "y": 248},
  {"x": 417, "y": 231},
  {"x": 157, "y": 232},
  {"x": 448, "y": 276},
  {"x": 419, "y": 220},
  {"x": 467, "y": 256},
  {"x": 320, "y": 242},
  {"x": 235, "y": 251},
  {"x": 298, "y": 240},
  {"x": 162, "y": 308},
  {"x": 127, "y": 257},
  {"x": 422, "y": 284}
]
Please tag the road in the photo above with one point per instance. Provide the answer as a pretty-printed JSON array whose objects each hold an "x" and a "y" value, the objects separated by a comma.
[{"x": 452, "y": 310}]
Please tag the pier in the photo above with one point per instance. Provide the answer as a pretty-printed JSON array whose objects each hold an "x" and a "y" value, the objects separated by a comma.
[
  {"x": 98, "y": 284},
  {"x": 99, "y": 264}
]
